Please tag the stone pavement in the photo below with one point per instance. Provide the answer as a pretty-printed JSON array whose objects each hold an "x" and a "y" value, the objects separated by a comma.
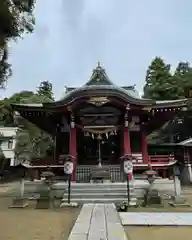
[
  {"x": 158, "y": 219},
  {"x": 98, "y": 222}
]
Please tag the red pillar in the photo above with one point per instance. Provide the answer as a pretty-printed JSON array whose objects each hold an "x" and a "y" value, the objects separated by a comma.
[
  {"x": 73, "y": 148},
  {"x": 144, "y": 147}
]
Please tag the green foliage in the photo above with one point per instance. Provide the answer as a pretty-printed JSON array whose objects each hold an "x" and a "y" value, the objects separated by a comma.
[
  {"x": 16, "y": 19},
  {"x": 31, "y": 141},
  {"x": 160, "y": 84},
  {"x": 158, "y": 80},
  {"x": 45, "y": 89}
]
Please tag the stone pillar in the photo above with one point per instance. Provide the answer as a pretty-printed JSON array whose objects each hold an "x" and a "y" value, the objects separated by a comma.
[
  {"x": 186, "y": 174},
  {"x": 73, "y": 146},
  {"x": 144, "y": 147}
]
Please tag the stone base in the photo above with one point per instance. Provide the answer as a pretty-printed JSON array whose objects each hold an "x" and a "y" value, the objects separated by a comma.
[
  {"x": 43, "y": 203},
  {"x": 173, "y": 204},
  {"x": 71, "y": 204},
  {"x": 19, "y": 203},
  {"x": 179, "y": 202}
]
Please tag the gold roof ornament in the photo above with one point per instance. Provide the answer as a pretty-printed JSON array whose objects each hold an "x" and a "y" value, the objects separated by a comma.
[{"x": 98, "y": 101}]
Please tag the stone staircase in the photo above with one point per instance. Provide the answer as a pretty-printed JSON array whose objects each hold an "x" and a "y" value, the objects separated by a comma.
[{"x": 100, "y": 193}]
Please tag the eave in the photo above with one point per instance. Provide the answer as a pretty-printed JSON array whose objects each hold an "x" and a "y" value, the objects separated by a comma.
[
  {"x": 171, "y": 103},
  {"x": 36, "y": 114},
  {"x": 100, "y": 91}
]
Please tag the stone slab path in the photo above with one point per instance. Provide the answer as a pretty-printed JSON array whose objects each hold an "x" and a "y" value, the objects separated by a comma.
[
  {"x": 156, "y": 219},
  {"x": 98, "y": 222}
]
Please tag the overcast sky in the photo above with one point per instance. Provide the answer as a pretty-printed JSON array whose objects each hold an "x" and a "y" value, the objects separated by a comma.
[{"x": 71, "y": 36}]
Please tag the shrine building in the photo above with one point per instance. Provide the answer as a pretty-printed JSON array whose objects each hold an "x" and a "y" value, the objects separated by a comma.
[{"x": 98, "y": 123}]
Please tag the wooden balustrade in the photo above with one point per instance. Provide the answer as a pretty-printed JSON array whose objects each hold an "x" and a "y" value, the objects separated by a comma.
[{"x": 161, "y": 158}]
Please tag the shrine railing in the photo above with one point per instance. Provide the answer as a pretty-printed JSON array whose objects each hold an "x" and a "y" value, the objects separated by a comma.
[
  {"x": 164, "y": 159},
  {"x": 152, "y": 159}
]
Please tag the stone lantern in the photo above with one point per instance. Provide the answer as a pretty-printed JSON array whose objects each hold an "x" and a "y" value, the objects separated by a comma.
[
  {"x": 151, "y": 195},
  {"x": 151, "y": 175},
  {"x": 44, "y": 201}
]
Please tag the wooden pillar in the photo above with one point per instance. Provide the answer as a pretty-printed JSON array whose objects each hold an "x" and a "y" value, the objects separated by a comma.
[
  {"x": 73, "y": 146},
  {"x": 144, "y": 146},
  {"x": 164, "y": 173},
  {"x": 126, "y": 134}
]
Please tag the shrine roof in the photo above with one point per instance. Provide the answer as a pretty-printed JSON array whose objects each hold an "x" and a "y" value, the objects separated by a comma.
[
  {"x": 130, "y": 90},
  {"x": 99, "y": 84}
]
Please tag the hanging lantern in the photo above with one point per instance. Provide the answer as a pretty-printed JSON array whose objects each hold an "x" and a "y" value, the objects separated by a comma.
[{"x": 115, "y": 132}]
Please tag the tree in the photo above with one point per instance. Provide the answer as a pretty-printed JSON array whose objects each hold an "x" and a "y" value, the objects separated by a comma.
[
  {"x": 6, "y": 112},
  {"x": 31, "y": 140},
  {"x": 16, "y": 19},
  {"x": 158, "y": 81},
  {"x": 45, "y": 89},
  {"x": 182, "y": 79},
  {"x": 177, "y": 86}
]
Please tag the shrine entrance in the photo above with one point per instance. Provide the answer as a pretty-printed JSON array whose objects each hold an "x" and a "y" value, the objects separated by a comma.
[{"x": 100, "y": 149}]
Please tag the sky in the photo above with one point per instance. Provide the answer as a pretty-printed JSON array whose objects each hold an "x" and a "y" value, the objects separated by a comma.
[{"x": 71, "y": 36}]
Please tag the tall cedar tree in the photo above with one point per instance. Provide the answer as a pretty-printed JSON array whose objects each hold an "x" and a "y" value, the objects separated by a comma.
[
  {"x": 45, "y": 89},
  {"x": 182, "y": 79},
  {"x": 158, "y": 81}
]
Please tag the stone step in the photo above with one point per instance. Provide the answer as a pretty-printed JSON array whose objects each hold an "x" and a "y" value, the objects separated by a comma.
[
  {"x": 96, "y": 200},
  {"x": 103, "y": 190},
  {"x": 98, "y": 194},
  {"x": 74, "y": 197}
]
